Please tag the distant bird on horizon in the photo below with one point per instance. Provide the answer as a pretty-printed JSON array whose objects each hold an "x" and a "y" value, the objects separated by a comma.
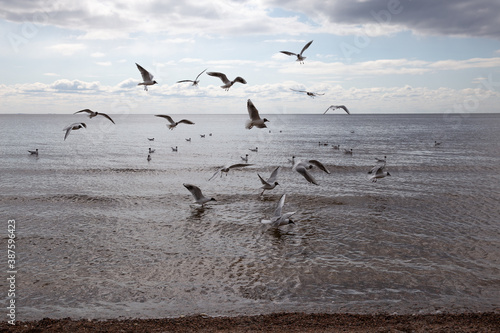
[
  {"x": 149, "y": 158},
  {"x": 309, "y": 93},
  {"x": 378, "y": 173},
  {"x": 151, "y": 139},
  {"x": 279, "y": 218},
  {"x": 227, "y": 168},
  {"x": 255, "y": 150},
  {"x": 195, "y": 81},
  {"x": 151, "y": 150},
  {"x": 188, "y": 139},
  {"x": 227, "y": 84},
  {"x": 33, "y": 152},
  {"x": 255, "y": 119},
  {"x": 335, "y": 107},
  {"x": 348, "y": 152},
  {"x": 271, "y": 182},
  {"x": 437, "y": 143},
  {"x": 147, "y": 77},
  {"x": 92, "y": 114},
  {"x": 199, "y": 198},
  {"x": 73, "y": 127},
  {"x": 381, "y": 159},
  {"x": 173, "y": 124},
  {"x": 174, "y": 149},
  {"x": 300, "y": 58},
  {"x": 245, "y": 159},
  {"x": 302, "y": 167}
]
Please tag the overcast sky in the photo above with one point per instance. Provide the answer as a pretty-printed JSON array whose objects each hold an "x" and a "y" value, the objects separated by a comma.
[{"x": 374, "y": 56}]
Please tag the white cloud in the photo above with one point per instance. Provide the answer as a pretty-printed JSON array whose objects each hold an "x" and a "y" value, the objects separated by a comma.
[
  {"x": 50, "y": 74},
  {"x": 104, "y": 63},
  {"x": 98, "y": 55},
  {"x": 67, "y": 49}
]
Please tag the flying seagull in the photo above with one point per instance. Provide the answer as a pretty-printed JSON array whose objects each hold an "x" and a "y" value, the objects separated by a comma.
[
  {"x": 147, "y": 77},
  {"x": 33, "y": 152},
  {"x": 300, "y": 58},
  {"x": 378, "y": 172},
  {"x": 227, "y": 84},
  {"x": 227, "y": 168},
  {"x": 309, "y": 93},
  {"x": 255, "y": 119},
  {"x": 279, "y": 218},
  {"x": 302, "y": 168},
  {"x": 195, "y": 81},
  {"x": 73, "y": 127},
  {"x": 173, "y": 124},
  {"x": 92, "y": 114},
  {"x": 198, "y": 196},
  {"x": 335, "y": 107},
  {"x": 271, "y": 182}
]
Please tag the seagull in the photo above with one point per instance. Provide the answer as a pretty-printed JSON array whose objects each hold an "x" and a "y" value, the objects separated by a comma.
[
  {"x": 198, "y": 196},
  {"x": 188, "y": 139},
  {"x": 196, "y": 81},
  {"x": 149, "y": 158},
  {"x": 254, "y": 150},
  {"x": 335, "y": 107},
  {"x": 280, "y": 219},
  {"x": 309, "y": 93},
  {"x": 74, "y": 127},
  {"x": 147, "y": 77},
  {"x": 381, "y": 159},
  {"x": 300, "y": 58},
  {"x": 378, "y": 172},
  {"x": 437, "y": 143},
  {"x": 336, "y": 147},
  {"x": 202, "y": 135},
  {"x": 227, "y": 84},
  {"x": 227, "y": 168},
  {"x": 271, "y": 182},
  {"x": 33, "y": 152},
  {"x": 255, "y": 119},
  {"x": 348, "y": 152},
  {"x": 301, "y": 167},
  {"x": 152, "y": 139},
  {"x": 95, "y": 113},
  {"x": 245, "y": 158},
  {"x": 151, "y": 150},
  {"x": 173, "y": 124},
  {"x": 174, "y": 149}
]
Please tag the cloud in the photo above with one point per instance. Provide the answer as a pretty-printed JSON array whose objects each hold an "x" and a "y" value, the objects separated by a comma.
[
  {"x": 74, "y": 85},
  {"x": 98, "y": 55},
  {"x": 104, "y": 63},
  {"x": 50, "y": 74},
  {"x": 67, "y": 49}
]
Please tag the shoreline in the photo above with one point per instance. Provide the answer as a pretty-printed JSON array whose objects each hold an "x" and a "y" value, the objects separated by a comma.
[{"x": 274, "y": 322}]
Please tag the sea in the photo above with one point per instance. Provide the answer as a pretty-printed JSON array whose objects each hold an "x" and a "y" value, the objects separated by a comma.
[{"x": 101, "y": 232}]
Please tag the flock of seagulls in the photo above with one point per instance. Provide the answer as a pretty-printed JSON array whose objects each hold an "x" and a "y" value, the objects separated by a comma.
[{"x": 302, "y": 167}]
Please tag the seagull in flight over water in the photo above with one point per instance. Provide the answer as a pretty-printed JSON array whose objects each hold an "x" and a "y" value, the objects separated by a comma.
[
  {"x": 227, "y": 168},
  {"x": 147, "y": 77},
  {"x": 271, "y": 182},
  {"x": 378, "y": 172},
  {"x": 335, "y": 107},
  {"x": 280, "y": 219},
  {"x": 73, "y": 127},
  {"x": 309, "y": 93},
  {"x": 173, "y": 124},
  {"x": 199, "y": 198},
  {"x": 195, "y": 81},
  {"x": 302, "y": 167},
  {"x": 92, "y": 114},
  {"x": 33, "y": 152},
  {"x": 227, "y": 84},
  {"x": 300, "y": 58},
  {"x": 255, "y": 119}
]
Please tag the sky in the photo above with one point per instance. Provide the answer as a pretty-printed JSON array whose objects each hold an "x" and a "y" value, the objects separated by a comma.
[{"x": 374, "y": 56}]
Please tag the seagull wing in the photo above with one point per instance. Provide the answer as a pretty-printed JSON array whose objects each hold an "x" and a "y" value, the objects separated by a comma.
[
  {"x": 238, "y": 165},
  {"x": 252, "y": 111},
  {"x": 185, "y": 121},
  {"x": 84, "y": 110},
  {"x": 195, "y": 191},
  {"x": 273, "y": 176},
  {"x": 289, "y": 53},
  {"x": 184, "y": 81},
  {"x": 170, "y": 120},
  {"x": 378, "y": 169},
  {"x": 300, "y": 168},
  {"x": 215, "y": 174},
  {"x": 105, "y": 115},
  {"x": 279, "y": 208},
  {"x": 263, "y": 181},
  {"x": 200, "y": 74},
  {"x": 345, "y": 108},
  {"x": 304, "y": 91},
  {"x": 240, "y": 80},
  {"x": 305, "y": 47},
  {"x": 221, "y": 76},
  {"x": 146, "y": 76},
  {"x": 319, "y": 165}
]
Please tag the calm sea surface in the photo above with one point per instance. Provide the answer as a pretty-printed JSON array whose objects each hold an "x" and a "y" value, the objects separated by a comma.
[{"x": 103, "y": 233}]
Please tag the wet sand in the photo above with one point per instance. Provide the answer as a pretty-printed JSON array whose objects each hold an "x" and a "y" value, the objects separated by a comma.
[{"x": 278, "y": 322}]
